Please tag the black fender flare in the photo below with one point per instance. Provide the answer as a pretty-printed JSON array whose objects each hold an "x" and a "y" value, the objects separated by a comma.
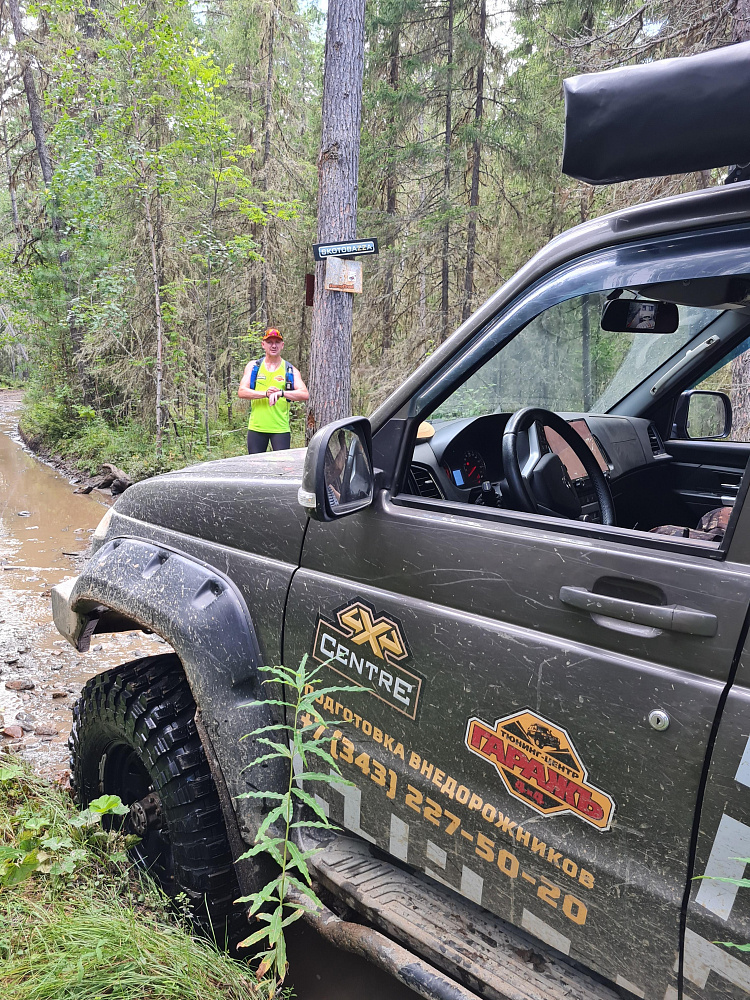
[{"x": 202, "y": 614}]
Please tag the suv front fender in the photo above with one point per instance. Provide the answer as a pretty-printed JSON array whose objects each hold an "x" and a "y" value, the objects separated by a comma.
[{"x": 202, "y": 614}]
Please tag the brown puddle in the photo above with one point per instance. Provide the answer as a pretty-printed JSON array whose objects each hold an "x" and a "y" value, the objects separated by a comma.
[{"x": 44, "y": 531}]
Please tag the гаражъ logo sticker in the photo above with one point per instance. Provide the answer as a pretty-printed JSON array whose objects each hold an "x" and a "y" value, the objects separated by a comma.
[
  {"x": 540, "y": 766},
  {"x": 369, "y": 649}
]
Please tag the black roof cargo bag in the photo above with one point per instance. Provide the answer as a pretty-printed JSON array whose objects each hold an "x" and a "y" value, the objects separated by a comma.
[{"x": 666, "y": 117}]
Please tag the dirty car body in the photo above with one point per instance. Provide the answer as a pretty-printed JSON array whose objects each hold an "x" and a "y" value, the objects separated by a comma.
[{"x": 552, "y": 739}]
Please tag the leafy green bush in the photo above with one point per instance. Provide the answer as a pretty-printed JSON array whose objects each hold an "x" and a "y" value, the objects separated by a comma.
[{"x": 48, "y": 415}]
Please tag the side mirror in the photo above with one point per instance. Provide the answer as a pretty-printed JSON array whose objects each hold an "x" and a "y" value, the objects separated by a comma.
[
  {"x": 640, "y": 316},
  {"x": 703, "y": 416},
  {"x": 338, "y": 478}
]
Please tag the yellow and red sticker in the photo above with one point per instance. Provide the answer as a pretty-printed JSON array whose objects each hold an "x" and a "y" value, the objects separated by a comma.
[{"x": 540, "y": 766}]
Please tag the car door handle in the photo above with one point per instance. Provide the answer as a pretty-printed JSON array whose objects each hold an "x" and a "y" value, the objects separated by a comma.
[{"x": 668, "y": 616}]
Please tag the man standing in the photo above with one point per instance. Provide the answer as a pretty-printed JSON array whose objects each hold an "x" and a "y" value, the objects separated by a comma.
[{"x": 270, "y": 384}]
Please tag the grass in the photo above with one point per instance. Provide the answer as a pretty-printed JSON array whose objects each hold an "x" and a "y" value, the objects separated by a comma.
[{"x": 78, "y": 922}]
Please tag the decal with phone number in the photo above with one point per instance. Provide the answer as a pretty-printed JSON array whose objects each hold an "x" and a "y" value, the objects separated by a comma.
[{"x": 486, "y": 848}]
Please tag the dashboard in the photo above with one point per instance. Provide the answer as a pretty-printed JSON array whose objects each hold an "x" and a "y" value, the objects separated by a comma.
[{"x": 463, "y": 454}]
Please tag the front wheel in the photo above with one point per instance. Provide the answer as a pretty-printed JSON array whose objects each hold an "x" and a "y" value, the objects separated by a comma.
[{"x": 134, "y": 735}]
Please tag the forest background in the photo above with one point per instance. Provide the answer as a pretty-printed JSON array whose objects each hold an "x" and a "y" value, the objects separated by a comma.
[{"x": 160, "y": 205}]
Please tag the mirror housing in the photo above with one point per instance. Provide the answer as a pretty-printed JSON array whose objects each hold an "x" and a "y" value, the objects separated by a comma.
[
  {"x": 708, "y": 414},
  {"x": 338, "y": 477},
  {"x": 640, "y": 316}
]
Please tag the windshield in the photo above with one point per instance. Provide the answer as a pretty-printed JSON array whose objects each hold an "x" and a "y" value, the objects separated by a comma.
[{"x": 563, "y": 361}]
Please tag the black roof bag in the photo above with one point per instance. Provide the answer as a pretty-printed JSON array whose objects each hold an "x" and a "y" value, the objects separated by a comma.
[{"x": 666, "y": 117}]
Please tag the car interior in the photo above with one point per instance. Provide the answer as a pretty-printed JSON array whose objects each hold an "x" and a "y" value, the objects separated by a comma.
[{"x": 614, "y": 408}]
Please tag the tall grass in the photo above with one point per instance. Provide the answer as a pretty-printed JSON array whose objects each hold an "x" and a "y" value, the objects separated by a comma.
[{"x": 78, "y": 922}]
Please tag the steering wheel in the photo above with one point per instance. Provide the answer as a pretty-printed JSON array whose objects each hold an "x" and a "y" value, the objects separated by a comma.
[{"x": 543, "y": 486}]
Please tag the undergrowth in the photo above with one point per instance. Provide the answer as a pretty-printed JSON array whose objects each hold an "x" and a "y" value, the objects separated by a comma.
[
  {"x": 77, "y": 921},
  {"x": 51, "y": 420}
]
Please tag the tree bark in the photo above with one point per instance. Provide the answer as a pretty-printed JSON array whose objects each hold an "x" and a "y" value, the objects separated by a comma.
[
  {"x": 207, "y": 393},
  {"x": 32, "y": 97},
  {"x": 391, "y": 196},
  {"x": 159, "y": 325},
  {"x": 445, "y": 271},
  {"x": 471, "y": 236},
  {"x": 208, "y": 360},
  {"x": 741, "y": 21},
  {"x": 12, "y": 191},
  {"x": 45, "y": 163},
  {"x": 740, "y": 392},
  {"x": 264, "y": 311},
  {"x": 338, "y": 170}
]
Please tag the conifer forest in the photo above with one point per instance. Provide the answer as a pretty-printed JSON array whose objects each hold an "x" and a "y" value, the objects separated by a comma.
[{"x": 159, "y": 204}]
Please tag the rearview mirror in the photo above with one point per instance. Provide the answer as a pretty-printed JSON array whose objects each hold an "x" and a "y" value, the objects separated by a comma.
[
  {"x": 338, "y": 479},
  {"x": 640, "y": 316}
]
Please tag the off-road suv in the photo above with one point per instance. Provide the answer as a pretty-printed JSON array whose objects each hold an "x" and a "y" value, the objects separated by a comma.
[{"x": 535, "y": 558}]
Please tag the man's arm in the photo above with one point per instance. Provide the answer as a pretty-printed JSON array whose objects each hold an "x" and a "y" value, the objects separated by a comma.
[
  {"x": 299, "y": 393},
  {"x": 244, "y": 391}
]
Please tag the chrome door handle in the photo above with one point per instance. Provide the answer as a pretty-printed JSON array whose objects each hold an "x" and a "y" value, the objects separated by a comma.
[{"x": 669, "y": 616}]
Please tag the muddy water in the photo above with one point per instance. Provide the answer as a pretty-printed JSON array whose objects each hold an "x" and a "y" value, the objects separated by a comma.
[{"x": 44, "y": 532}]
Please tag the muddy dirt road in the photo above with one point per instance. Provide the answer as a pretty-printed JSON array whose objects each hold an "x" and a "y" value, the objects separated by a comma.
[{"x": 44, "y": 532}]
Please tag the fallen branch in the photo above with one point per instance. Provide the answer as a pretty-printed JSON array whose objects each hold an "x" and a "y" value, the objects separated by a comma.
[{"x": 110, "y": 477}]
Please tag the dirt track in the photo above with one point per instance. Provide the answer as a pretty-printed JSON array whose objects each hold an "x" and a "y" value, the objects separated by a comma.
[{"x": 44, "y": 531}]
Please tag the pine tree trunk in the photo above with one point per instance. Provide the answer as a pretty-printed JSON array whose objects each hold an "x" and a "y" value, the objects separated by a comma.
[
  {"x": 264, "y": 311},
  {"x": 207, "y": 394},
  {"x": 445, "y": 275},
  {"x": 338, "y": 170},
  {"x": 471, "y": 236},
  {"x": 391, "y": 195},
  {"x": 45, "y": 163},
  {"x": 12, "y": 191},
  {"x": 32, "y": 97},
  {"x": 740, "y": 392},
  {"x": 208, "y": 359},
  {"x": 155, "y": 276}
]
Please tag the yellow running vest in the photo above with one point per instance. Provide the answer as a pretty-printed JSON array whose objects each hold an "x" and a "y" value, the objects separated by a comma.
[{"x": 263, "y": 417}]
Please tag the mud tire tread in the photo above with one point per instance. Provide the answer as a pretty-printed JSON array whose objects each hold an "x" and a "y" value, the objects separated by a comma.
[{"x": 147, "y": 704}]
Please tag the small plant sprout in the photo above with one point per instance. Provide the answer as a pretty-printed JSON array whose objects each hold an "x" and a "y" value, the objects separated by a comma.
[{"x": 296, "y": 741}]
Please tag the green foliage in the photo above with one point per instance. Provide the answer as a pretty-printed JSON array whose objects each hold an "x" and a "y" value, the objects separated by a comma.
[
  {"x": 298, "y": 742},
  {"x": 209, "y": 121},
  {"x": 43, "y": 839},
  {"x": 78, "y": 921}
]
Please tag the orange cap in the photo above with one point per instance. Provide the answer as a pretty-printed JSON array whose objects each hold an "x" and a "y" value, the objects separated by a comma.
[{"x": 271, "y": 332}]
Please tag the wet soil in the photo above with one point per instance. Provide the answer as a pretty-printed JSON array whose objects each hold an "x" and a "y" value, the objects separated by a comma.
[{"x": 44, "y": 534}]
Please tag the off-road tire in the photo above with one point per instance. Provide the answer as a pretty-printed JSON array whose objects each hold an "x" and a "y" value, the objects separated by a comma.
[{"x": 134, "y": 735}]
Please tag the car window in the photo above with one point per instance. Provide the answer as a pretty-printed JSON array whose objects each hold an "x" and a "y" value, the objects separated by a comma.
[
  {"x": 578, "y": 359},
  {"x": 564, "y": 361}
]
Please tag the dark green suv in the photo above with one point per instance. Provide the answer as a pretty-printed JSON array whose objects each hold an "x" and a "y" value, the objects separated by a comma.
[{"x": 535, "y": 558}]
